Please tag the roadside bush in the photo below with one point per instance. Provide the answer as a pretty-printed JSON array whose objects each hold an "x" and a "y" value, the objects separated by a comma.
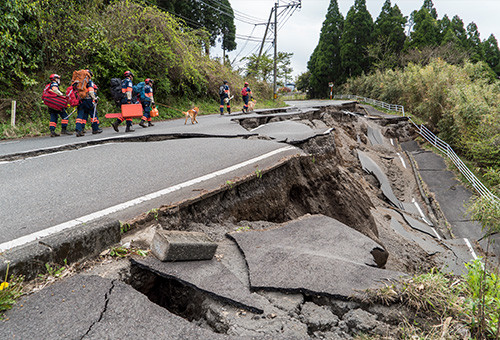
[{"x": 109, "y": 37}]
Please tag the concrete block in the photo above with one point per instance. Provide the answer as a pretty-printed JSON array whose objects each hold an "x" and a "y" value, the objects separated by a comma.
[{"x": 171, "y": 245}]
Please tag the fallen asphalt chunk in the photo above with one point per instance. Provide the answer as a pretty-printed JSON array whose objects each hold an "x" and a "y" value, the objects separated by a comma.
[
  {"x": 174, "y": 245},
  {"x": 421, "y": 226},
  {"x": 371, "y": 167},
  {"x": 428, "y": 244},
  {"x": 210, "y": 277},
  {"x": 315, "y": 254}
]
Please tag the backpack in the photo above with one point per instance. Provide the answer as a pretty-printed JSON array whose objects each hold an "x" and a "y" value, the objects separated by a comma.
[
  {"x": 222, "y": 90},
  {"x": 116, "y": 90},
  {"x": 138, "y": 90},
  {"x": 53, "y": 100},
  {"x": 72, "y": 95},
  {"x": 244, "y": 91},
  {"x": 82, "y": 78}
]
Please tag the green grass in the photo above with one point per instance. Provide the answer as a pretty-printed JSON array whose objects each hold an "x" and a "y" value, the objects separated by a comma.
[{"x": 10, "y": 291}]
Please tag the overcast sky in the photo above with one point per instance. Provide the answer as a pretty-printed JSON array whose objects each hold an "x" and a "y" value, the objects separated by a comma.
[{"x": 300, "y": 33}]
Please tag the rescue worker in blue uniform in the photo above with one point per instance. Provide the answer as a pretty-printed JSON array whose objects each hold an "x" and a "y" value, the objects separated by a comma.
[
  {"x": 127, "y": 89},
  {"x": 54, "y": 114},
  {"x": 86, "y": 108},
  {"x": 225, "y": 94},
  {"x": 246, "y": 94},
  {"x": 147, "y": 102}
]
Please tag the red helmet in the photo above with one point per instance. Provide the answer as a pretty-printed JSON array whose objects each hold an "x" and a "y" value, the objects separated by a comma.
[
  {"x": 54, "y": 76},
  {"x": 246, "y": 83},
  {"x": 128, "y": 74},
  {"x": 148, "y": 81}
]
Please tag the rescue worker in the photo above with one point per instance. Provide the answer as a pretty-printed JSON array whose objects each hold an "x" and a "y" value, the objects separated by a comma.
[
  {"x": 54, "y": 114},
  {"x": 127, "y": 98},
  {"x": 224, "y": 94},
  {"x": 246, "y": 94},
  {"x": 147, "y": 102},
  {"x": 88, "y": 106}
]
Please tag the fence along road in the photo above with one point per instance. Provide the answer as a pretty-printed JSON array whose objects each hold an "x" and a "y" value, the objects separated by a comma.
[{"x": 436, "y": 142}]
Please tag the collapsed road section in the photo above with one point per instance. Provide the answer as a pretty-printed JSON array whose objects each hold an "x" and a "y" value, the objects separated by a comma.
[{"x": 298, "y": 244}]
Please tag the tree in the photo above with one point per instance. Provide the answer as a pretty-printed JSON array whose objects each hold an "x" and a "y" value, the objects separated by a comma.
[
  {"x": 474, "y": 44},
  {"x": 457, "y": 26},
  {"x": 325, "y": 62},
  {"x": 217, "y": 17},
  {"x": 388, "y": 36},
  {"x": 429, "y": 6},
  {"x": 492, "y": 53},
  {"x": 425, "y": 30},
  {"x": 356, "y": 37},
  {"x": 266, "y": 66},
  {"x": 302, "y": 81}
]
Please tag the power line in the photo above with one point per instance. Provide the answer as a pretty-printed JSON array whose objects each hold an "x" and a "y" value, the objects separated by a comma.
[{"x": 249, "y": 17}]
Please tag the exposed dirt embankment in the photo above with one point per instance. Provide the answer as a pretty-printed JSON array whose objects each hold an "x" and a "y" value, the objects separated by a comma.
[{"x": 297, "y": 186}]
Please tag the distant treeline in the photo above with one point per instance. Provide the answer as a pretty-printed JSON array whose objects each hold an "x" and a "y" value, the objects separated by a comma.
[{"x": 357, "y": 45}]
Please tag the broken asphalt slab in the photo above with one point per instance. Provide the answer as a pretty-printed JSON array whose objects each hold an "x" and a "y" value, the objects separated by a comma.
[
  {"x": 288, "y": 131},
  {"x": 210, "y": 277},
  {"x": 91, "y": 307},
  {"x": 315, "y": 254},
  {"x": 371, "y": 167}
]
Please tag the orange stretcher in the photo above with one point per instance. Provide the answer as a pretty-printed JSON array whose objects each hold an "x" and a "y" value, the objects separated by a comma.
[
  {"x": 128, "y": 111},
  {"x": 132, "y": 111}
]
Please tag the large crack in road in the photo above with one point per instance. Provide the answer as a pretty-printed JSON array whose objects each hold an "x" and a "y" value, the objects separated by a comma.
[{"x": 298, "y": 242}]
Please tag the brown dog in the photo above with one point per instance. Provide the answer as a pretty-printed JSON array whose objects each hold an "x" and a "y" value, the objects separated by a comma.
[
  {"x": 251, "y": 105},
  {"x": 191, "y": 114}
]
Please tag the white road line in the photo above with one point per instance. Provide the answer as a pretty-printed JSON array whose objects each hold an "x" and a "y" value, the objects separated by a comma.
[
  {"x": 435, "y": 232},
  {"x": 9, "y": 142},
  {"x": 402, "y": 160},
  {"x": 474, "y": 256},
  {"x": 87, "y": 218},
  {"x": 424, "y": 218}
]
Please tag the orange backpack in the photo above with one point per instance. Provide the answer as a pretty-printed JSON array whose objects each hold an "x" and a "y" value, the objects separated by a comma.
[{"x": 82, "y": 78}]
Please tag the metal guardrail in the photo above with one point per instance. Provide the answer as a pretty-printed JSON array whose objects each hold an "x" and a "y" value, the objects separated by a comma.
[
  {"x": 436, "y": 142},
  {"x": 448, "y": 151},
  {"x": 392, "y": 107}
]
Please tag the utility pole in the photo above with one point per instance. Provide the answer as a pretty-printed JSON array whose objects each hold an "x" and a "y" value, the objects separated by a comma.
[
  {"x": 275, "y": 49},
  {"x": 297, "y": 4},
  {"x": 263, "y": 40}
]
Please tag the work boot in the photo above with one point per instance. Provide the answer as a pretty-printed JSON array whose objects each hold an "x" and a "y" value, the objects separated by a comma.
[
  {"x": 79, "y": 133},
  {"x": 115, "y": 125},
  {"x": 95, "y": 132},
  {"x": 150, "y": 124},
  {"x": 129, "y": 129},
  {"x": 53, "y": 134},
  {"x": 143, "y": 123},
  {"x": 65, "y": 132}
]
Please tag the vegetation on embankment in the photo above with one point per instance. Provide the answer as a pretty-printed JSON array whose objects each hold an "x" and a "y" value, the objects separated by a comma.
[
  {"x": 109, "y": 37},
  {"x": 460, "y": 103}
]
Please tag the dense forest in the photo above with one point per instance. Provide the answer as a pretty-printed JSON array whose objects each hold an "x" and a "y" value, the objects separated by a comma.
[{"x": 358, "y": 45}]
